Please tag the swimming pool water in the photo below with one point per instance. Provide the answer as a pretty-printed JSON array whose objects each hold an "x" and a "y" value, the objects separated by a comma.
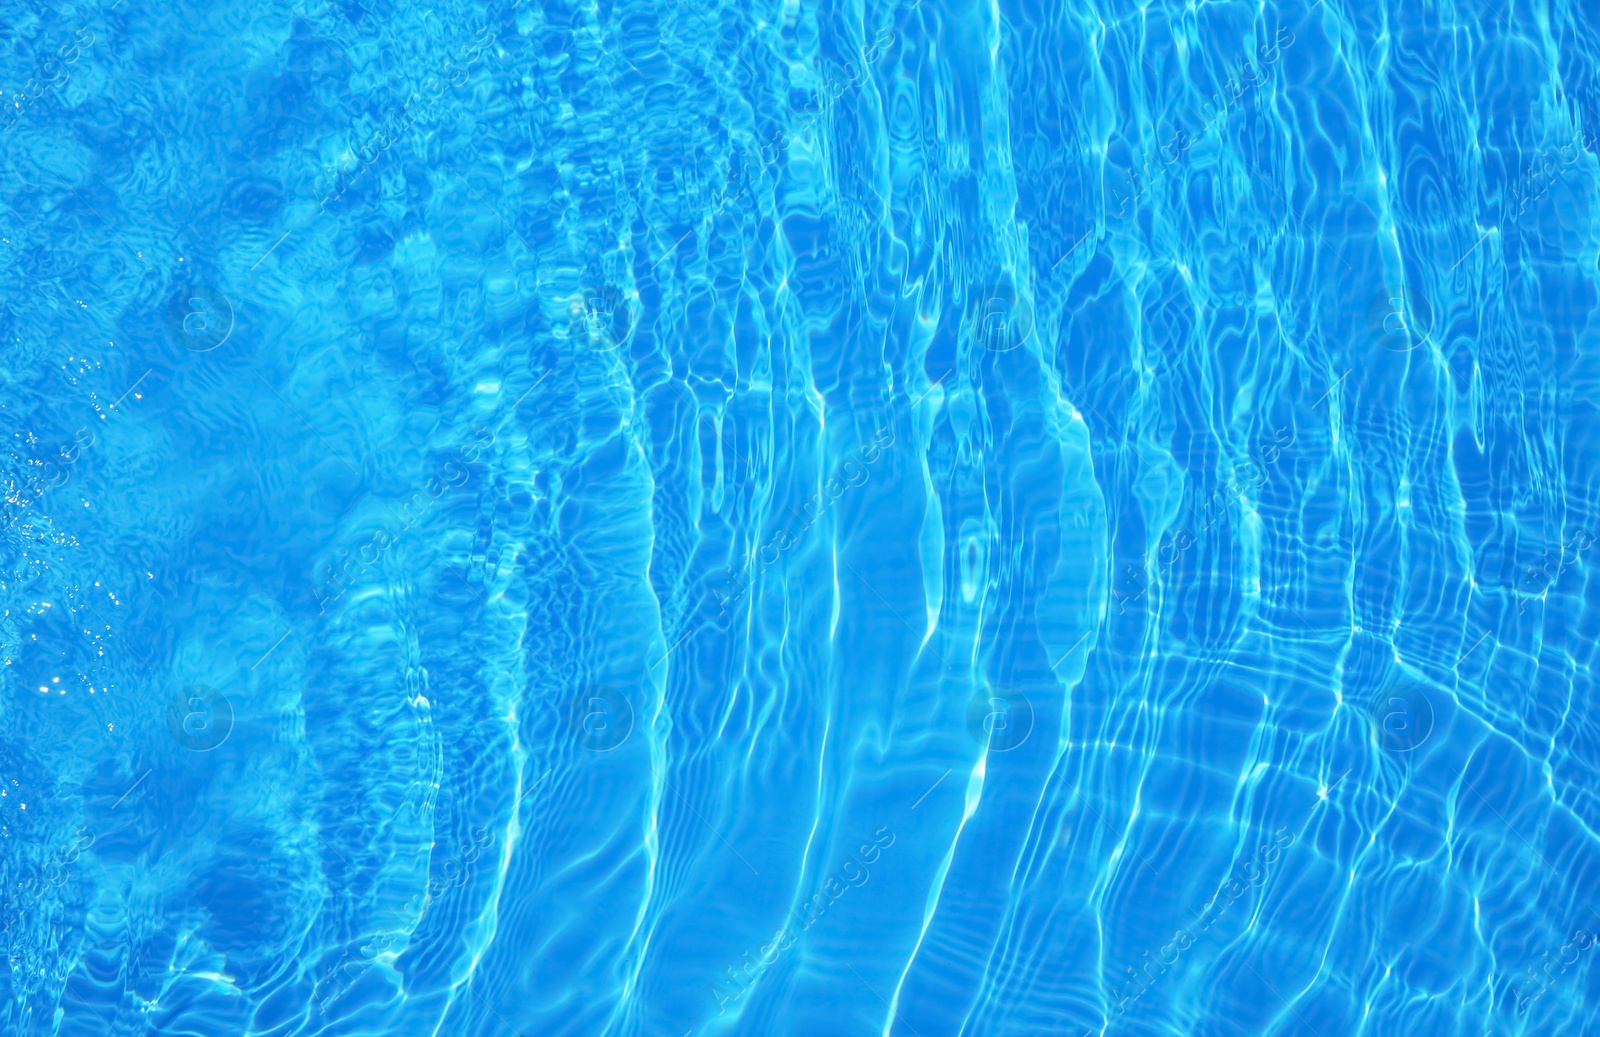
[{"x": 910, "y": 518}]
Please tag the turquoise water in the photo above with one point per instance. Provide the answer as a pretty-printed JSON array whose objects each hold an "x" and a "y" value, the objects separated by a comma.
[{"x": 912, "y": 519}]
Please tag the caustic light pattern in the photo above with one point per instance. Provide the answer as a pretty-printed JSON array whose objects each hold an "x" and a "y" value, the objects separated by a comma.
[{"x": 796, "y": 519}]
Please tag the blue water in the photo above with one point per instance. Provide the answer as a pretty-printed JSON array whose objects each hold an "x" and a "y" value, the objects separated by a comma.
[{"x": 915, "y": 519}]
